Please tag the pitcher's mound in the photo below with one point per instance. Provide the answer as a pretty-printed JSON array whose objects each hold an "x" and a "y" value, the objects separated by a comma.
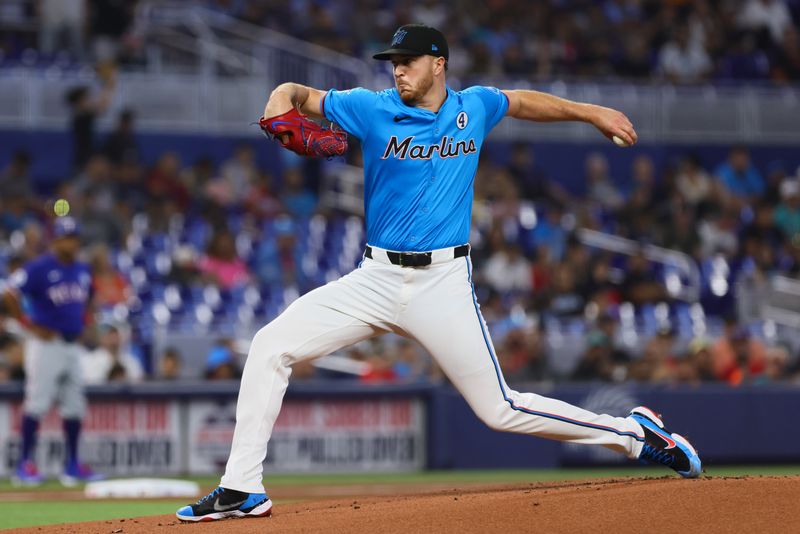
[{"x": 707, "y": 505}]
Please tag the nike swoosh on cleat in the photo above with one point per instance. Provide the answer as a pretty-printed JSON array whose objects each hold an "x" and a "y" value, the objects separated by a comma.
[
  {"x": 670, "y": 442},
  {"x": 229, "y": 506}
]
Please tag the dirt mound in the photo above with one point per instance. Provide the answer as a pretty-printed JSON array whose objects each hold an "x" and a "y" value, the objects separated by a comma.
[{"x": 707, "y": 505}]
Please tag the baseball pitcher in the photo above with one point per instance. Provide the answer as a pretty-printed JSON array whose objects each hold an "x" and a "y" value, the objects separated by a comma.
[{"x": 421, "y": 141}]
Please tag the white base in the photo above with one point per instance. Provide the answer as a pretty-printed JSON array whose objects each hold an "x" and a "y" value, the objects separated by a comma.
[{"x": 141, "y": 488}]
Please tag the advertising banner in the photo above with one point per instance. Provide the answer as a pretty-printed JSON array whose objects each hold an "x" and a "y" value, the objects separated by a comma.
[
  {"x": 119, "y": 438},
  {"x": 318, "y": 435}
]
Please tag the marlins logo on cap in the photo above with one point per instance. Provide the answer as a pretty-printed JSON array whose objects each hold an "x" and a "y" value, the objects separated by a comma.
[
  {"x": 399, "y": 35},
  {"x": 416, "y": 40}
]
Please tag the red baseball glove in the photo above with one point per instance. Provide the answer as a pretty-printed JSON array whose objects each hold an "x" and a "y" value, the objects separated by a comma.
[{"x": 303, "y": 136}]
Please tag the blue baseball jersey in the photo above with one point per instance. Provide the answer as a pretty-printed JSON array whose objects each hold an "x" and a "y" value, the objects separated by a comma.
[
  {"x": 56, "y": 294},
  {"x": 419, "y": 166}
]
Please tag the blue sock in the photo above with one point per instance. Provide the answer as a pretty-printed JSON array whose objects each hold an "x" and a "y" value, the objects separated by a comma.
[
  {"x": 72, "y": 432},
  {"x": 30, "y": 427}
]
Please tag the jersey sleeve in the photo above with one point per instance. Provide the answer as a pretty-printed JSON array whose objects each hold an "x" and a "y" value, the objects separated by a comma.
[
  {"x": 494, "y": 101},
  {"x": 350, "y": 109}
]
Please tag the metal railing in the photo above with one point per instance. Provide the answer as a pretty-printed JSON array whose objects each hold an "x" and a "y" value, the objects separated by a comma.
[
  {"x": 781, "y": 303},
  {"x": 683, "y": 278},
  {"x": 223, "y": 44},
  {"x": 184, "y": 101}
]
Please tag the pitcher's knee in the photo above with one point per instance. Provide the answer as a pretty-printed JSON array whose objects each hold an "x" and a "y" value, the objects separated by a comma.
[
  {"x": 272, "y": 344},
  {"x": 495, "y": 416}
]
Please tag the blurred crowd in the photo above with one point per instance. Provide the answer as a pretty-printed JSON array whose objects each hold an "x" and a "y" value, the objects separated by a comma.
[
  {"x": 685, "y": 42},
  {"x": 216, "y": 243}
]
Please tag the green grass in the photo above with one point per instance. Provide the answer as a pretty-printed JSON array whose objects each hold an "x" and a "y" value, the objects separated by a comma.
[
  {"x": 28, "y": 514},
  {"x": 35, "y": 512}
]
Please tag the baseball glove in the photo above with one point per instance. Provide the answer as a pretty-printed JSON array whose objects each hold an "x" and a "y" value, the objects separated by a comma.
[{"x": 303, "y": 136}]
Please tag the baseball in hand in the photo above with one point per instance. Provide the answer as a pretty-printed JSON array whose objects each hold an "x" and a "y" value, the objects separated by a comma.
[{"x": 619, "y": 141}]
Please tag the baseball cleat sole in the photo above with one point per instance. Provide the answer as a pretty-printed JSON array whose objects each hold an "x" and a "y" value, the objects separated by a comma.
[{"x": 262, "y": 510}]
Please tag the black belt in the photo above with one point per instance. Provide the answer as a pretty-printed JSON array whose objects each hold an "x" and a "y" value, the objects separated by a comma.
[{"x": 416, "y": 259}]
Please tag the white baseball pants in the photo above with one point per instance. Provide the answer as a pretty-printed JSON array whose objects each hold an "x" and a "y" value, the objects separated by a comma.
[
  {"x": 53, "y": 374},
  {"x": 434, "y": 305}
]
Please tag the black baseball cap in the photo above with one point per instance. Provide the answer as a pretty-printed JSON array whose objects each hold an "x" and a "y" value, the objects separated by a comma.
[{"x": 416, "y": 40}]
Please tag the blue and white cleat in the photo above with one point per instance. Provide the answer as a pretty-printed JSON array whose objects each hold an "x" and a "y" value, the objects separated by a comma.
[
  {"x": 75, "y": 474},
  {"x": 27, "y": 475},
  {"x": 663, "y": 447},
  {"x": 223, "y": 503}
]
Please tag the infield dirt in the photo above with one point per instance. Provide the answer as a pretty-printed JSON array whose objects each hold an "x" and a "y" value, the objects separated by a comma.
[{"x": 707, "y": 505}]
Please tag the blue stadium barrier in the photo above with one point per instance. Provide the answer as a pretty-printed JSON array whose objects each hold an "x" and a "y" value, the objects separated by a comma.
[{"x": 750, "y": 424}]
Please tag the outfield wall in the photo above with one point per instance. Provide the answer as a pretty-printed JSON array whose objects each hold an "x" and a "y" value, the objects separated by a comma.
[{"x": 186, "y": 428}]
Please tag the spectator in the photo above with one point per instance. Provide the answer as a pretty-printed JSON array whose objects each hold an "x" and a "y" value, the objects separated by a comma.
[
  {"x": 507, "y": 270},
  {"x": 15, "y": 180},
  {"x": 62, "y": 22},
  {"x": 221, "y": 265},
  {"x": 564, "y": 298},
  {"x": 740, "y": 179},
  {"x": 533, "y": 182},
  {"x": 596, "y": 362},
  {"x": 84, "y": 109},
  {"x": 169, "y": 366},
  {"x": 745, "y": 60},
  {"x": 408, "y": 365},
  {"x": 693, "y": 182},
  {"x": 300, "y": 202},
  {"x": 109, "y": 286},
  {"x": 640, "y": 284},
  {"x": 110, "y": 361},
  {"x": 681, "y": 61},
  {"x": 738, "y": 357},
  {"x": 697, "y": 367},
  {"x": 601, "y": 189},
  {"x": 602, "y": 286},
  {"x": 522, "y": 355},
  {"x": 97, "y": 177},
  {"x": 770, "y": 15},
  {"x": 184, "y": 270},
  {"x": 549, "y": 232},
  {"x": 278, "y": 261},
  {"x": 237, "y": 176},
  {"x": 762, "y": 229},
  {"x": 786, "y": 59},
  {"x": 121, "y": 146},
  {"x": 659, "y": 359},
  {"x": 101, "y": 222},
  {"x": 164, "y": 184},
  {"x": 15, "y": 214},
  {"x": 380, "y": 366},
  {"x": 110, "y": 21},
  {"x": 787, "y": 214},
  {"x": 261, "y": 200},
  {"x": 221, "y": 361},
  {"x": 718, "y": 233}
]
